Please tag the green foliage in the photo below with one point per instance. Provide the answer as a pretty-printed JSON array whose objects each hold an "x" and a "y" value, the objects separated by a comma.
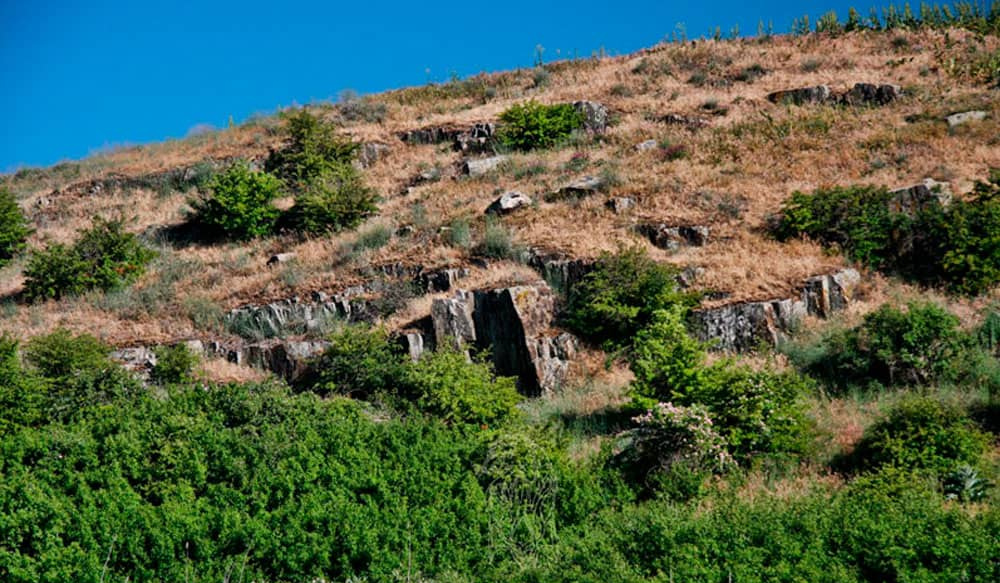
[
  {"x": 916, "y": 346},
  {"x": 314, "y": 149},
  {"x": 965, "y": 485},
  {"x": 621, "y": 295},
  {"x": 497, "y": 242},
  {"x": 920, "y": 433},
  {"x": 14, "y": 229},
  {"x": 334, "y": 200},
  {"x": 532, "y": 125},
  {"x": 360, "y": 362},
  {"x": 22, "y": 394},
  {"x": 670, "y": 434},
  {"x": 60, "y": 355},
  {"x": 666, "y": 360},
  {"x": 240, "y": 204},
  {"x": 104, "y": 257},
  {"x": 445, "y": 384},
  {"x": 955, "y": 245},
  {"x": 174, "y": 365}
]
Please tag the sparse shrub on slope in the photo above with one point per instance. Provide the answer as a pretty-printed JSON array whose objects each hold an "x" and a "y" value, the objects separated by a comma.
[
  {"x": 619, "y": 297},
  {"x": 532, "y": 125},
  {"x": 105, "y": 257},
  {"x": 335, "y": 200},
  {"x": 314, "y": 147},
  {"x": 240, "y": 204},
  {"x": 174, "y": 365},
  {"x": 14, "y": 229}
]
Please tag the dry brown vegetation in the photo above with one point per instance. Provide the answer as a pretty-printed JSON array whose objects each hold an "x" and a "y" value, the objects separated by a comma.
[{"x": 738, "y": 171}]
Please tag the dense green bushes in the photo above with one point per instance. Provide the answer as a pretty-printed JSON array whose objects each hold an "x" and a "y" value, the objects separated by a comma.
[
  {"x": 335, "y": 200},
  {"x": 14, "y": 229},
  {"x": 104, "y": 257},
  {"x": 955, "y": 246},
  {"x": 619, "y": 297},
  {"x": 532, "y": 125},
  {"x": 240, "y": 204}
]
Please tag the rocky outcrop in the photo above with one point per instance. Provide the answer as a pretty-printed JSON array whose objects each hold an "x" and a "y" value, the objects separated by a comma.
[
  {"x": 801, "y": 96},
  {"x": 562, "y": 273},
  {"x": 279, "y": 258},
  {"x": 579, "y": 188},
  {"x": 620, "y": 204},
  {"x": 870, "y": 94},
  {"x": 514, "y": 325},
  {"x": 645, "y": 145},
  {"x": 691, "y": 122},
  {"x": 476, "y": 167},
  {"x": 909, "y": 200},
  {"x": 476, "y": 140},
  {"x": 372, "y": 152},
  {"x": 746, "y": 326},
  {"x": 595, "y": 116},
  {"x": 672, "y": 237},
  {"x": 431, "y": 135},
  {"x": 509, "y": 202},
  {"x": 957, "y": 119}
]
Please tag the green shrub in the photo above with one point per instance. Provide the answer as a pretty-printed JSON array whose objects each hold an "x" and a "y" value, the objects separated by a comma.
[
  {"x": 619, "y": 297},
  {"x": 22, "y": 394},
  {"x": 360, "y": 362},
  {"x": 60, "y": 354},
  {"x": 334, "y": 200},
  {"x": 666, "y": 360},
  {"x": 240, "y": 203},
  {"x": 104, "y": 257},
  {"x": 920, "y": 433},
  {"x": 671, "y": 434},
  {"x": 445, "y": 384},
  {"x": 174, "y": 365},
  {"x": 14, "y": 229},
  {"x": 916, "y": 346},
  {"x": 497, "y": 242},
  {"x": 314, "y": 148},
  {"x": 532, "y": 125}
]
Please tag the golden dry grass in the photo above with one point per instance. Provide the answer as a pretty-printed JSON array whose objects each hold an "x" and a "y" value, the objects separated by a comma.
[{"x": 737, "y": 173}]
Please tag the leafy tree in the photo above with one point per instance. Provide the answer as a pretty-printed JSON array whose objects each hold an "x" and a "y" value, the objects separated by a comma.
[
  {"x": 14, "y": 229},
  {"x": 334, "y": 200},
  {"x": 240, "y": 203},
  {"x": 314, "y": 148}
]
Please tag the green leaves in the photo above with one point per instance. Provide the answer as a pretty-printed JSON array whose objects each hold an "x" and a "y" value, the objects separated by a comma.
[
  {"x": 14, "y": 229},
  {"x": 532, "y": 125},
  {"x": 240, "y": 205}
]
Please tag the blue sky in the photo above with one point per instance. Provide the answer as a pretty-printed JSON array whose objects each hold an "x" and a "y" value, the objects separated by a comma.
[{"x": 79, "y": 76}]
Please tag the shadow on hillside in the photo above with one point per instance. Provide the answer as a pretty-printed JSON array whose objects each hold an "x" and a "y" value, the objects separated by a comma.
[
  {"x": 186, "y": 234},
  {"x": 598, "y": 423}
]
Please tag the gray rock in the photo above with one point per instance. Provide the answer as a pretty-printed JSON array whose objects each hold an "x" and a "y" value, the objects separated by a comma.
[
  {"x": 620, "y": 204},
  {"x": 595, "y": 116},
  {"x": 646, "y": 145},
  {"x": 453, "y": 323},
  {"x": 823, "y": 295},
  {"x": 280, "y": 258},
  {"x": 509, "y": 202},
  {"x": 872, "y": 94},
  {"x": 957, "y": 119},
  {"x": 135, "y": 358},
  {"x": 689, "y": 121},
  {"x": 801, "y": 96},
  {"x": 560, "y": 272},
  {"x": 911, "y": 199},
  {"x": 440, "y": 280},
  {"x": 476, "y": 140},
  {"x": 479, "y": 166},
  {"x": 372, "y": 152},
  {"x": 579, "y": 188},
  {"x": 430, "y": 135},
  {"x": 672, "y": 238},
  {"x": 744, "y": 327}
]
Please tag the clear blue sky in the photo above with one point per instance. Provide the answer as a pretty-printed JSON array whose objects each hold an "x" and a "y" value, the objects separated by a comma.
[{"x": 76, "y": 76}]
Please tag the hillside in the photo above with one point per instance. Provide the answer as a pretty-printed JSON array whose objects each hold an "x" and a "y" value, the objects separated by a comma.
[{"x": 682, "y": 168}]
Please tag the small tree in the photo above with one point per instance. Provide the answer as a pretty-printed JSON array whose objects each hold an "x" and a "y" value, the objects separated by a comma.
[
  {"x": 336, "y": 200},
  {"x": 314, "y": 147},
  {"x": 14, "y": 228},
  {"x": 532, "y": 125},
  {"x": 240, "y": 204}
]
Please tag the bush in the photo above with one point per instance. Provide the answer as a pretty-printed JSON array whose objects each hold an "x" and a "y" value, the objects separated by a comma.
[
  {"x": 666, "y": 360},
  {"x": 105, "y": 257},
  {"x": 920, "y": 433},
  {"x": 447, "y": 385},
  {"x": 22, "y": 395},
  {"x": 532, "y": 125},
  {"x": 314, "y": 148},
  {"x": 954, "y": 245},
  {"x": 497, "y": 242},
  {"x": 619, "y": 297},
  {"x": 360, "y": 363},
  {"x": 335, "y": 200},
  {"x": 60, "y": 355},
  {"x": 240, "y": 204},
  {"x": 174, "y": 365},
  {"x": 14, "y": 228},
  {"x": 916, "y": 346},
  {"x": 670, "y": 434}
]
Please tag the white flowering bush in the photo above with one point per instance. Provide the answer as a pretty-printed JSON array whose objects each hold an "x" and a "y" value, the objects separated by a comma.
[{"x": 669, "y": 434}]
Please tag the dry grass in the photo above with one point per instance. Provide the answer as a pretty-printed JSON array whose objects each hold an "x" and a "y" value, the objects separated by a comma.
[{"x": 737, "y": 173}]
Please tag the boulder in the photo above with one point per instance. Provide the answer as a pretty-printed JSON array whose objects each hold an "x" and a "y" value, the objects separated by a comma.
[
  {"x": 479, "y": 166},
  {"x": 560, "y": 272},
  {"x": 672, "y": 237},
  {"x": 872, "y": 94},
  {"x": 823, "y": 295},
  {"x": 509, "y": 202},
  {"x": 579, "y": 188},
  {"x": 430, "y": 135},
  {"x": 140, "y": 359},
  {"x": 746, "y": 326},
  {"x": 957, "y": 119},
  {"x": 911, "y": 199},
  {"x": 477, "y": 139},
  {"x": 801, "y": 96},
  {"x": 440, "y": 280},
  {"x": 372, "y": 152},
  {"x": 452, "y": 318},
  {"x": 595, "y": 116},
  {"x": 620, "y": 204},
  {"x": 280, "y": 258},
  {"x": 691, "y": 122},
  {"x": 646, "y": 145}
]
